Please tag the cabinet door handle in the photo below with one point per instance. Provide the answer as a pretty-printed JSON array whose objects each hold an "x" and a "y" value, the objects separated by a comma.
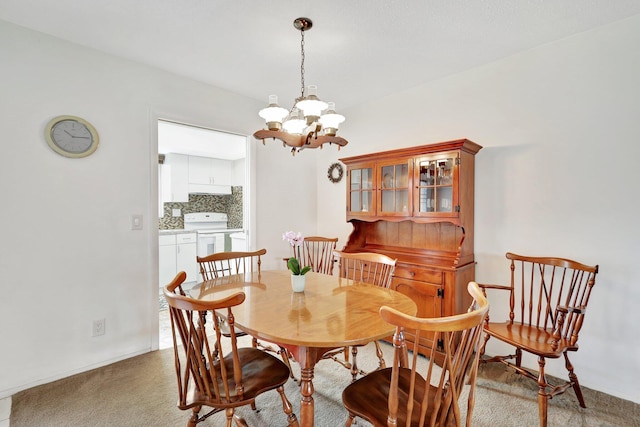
[{"x": 413, "y": 273}]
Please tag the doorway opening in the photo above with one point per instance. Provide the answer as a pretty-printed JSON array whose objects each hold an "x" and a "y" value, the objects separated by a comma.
[{"x": 201, "y": 172}]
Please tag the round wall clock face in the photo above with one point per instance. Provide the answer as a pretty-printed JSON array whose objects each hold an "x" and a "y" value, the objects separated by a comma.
[{"x": 71, "y": 136}]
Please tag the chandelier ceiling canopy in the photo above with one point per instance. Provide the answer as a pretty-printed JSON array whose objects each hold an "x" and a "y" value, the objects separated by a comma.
[{"x": 310, "y": 122}]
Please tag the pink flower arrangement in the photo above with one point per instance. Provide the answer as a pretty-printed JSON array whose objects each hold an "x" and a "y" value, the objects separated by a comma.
[{"x": 295, "y": 240}]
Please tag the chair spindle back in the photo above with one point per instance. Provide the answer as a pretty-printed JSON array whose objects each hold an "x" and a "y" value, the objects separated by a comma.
[
  {"x": 546, "y": 291},
  {"x": 317, "y": 252},
  {"x": 227, "y": 263},
  {"x": 367, "y": 267},
  {"x": 202, "y": 379},
  {"x": 444, "y": 372}
]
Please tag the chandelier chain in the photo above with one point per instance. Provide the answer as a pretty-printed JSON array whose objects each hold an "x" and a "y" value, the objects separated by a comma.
[{"x": 302, "y": 64}]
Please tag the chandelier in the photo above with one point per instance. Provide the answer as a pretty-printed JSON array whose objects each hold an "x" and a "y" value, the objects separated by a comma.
[{"x": 311, "y": 122}]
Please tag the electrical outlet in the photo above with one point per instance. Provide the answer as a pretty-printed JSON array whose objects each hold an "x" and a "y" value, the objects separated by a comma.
[{"x": 98, "y": 327}]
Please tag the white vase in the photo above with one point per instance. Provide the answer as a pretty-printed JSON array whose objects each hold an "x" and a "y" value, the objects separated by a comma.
[{"x": 297, "y": 282}]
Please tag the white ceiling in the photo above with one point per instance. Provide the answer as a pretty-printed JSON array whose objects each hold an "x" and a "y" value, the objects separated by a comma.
[
  {"x": 357, "y": 50},
  {"x": 196, "y": 141}
]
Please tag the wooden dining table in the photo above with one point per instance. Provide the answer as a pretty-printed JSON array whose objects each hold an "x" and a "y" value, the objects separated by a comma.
[{"x": 332, "y": 312}]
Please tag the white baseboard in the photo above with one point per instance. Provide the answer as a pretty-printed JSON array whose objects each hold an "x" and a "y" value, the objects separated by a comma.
[{"x": 5, "y": 411}]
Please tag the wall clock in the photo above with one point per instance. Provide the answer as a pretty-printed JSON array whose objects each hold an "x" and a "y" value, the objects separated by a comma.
[
  {"x": 335, "y": 172},
  {"x": 71, "y": 136}
]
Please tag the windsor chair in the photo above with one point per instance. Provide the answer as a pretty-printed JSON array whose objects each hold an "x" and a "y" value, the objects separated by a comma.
[
  {"x": 367, "y": 267},
  {"x": 548, "y": 300},
  {"x": 415, "y": 392}
]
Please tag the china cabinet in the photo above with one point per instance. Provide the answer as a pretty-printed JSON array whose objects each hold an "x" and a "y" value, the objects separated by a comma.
[{"x": 416, "y": 205}]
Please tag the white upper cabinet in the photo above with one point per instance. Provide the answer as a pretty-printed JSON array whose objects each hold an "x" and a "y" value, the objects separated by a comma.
[
  {"x": 175, "y": 178},
  {"x": 209, "y": 176},
  {"x": 182, "y": 174},
  {"x": 205, "y": 170}
]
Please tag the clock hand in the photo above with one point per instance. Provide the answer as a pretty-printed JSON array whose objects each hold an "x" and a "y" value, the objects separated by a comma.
[{"x": 73, "y": 136}]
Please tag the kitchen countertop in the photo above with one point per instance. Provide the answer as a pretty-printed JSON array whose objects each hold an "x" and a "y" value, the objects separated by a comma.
[{"x": 182, "y": 230}]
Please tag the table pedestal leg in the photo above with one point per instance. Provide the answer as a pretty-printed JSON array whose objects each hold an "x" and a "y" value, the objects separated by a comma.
[
  {"x": 306, "y": 401},
  {"x": 307, "y": 357}
]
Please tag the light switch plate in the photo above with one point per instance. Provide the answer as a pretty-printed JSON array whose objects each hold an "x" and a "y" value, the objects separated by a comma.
[
  {"x": 136, "y": 222},
  {"x": 176, "y": 212}
]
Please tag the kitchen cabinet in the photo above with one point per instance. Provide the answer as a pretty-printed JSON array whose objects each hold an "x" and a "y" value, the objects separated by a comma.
[
  {"x": 182, "y": 174},
  {"x": 209, "y": 176},
  {"x": 205, "y": 170},
  {"x": 166, "y": 259},
  {"x": 175, "y": 178},
  {"x": 417, "y": 205},
  {"x": 186, "y": 251},
  {"x": 177, "y": 252}
]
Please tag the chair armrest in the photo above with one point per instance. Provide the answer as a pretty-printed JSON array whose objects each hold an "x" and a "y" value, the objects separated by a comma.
[
  {"x": 561, "y": 313},
  {"x": 490, "y": 286},
  {"x": 577, "y": 310}
]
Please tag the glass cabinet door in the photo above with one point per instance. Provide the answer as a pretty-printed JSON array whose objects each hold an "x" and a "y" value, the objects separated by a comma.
[
  {"x": 361, "y": 190},
  {"x": 435, "y": 185},
  {"x": 395, "y": 197}
]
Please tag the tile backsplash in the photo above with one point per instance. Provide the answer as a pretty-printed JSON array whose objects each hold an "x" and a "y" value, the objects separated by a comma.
[{"x": 230, "y": 204}]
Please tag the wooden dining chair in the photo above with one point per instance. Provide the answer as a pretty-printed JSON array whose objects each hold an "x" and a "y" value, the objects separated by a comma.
[
  {"x": 548, "y": 299},
  {"x": 317, "y": 252},
  {"x": 227, "y": 263},
  {"x": 223, "y": 264},
  {"x": 366, "y": 267},
  {"x": 417, "y": 391},
  {"x": 208, "y": 377}
]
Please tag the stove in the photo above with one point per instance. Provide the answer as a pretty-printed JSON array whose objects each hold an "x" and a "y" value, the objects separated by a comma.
[
  {"x": 210, "y": 227},
  {"x": 205, "y": 221}
]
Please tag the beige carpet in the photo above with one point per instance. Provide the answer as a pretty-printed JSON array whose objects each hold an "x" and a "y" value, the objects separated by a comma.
[{"x": 142, "y": 392}]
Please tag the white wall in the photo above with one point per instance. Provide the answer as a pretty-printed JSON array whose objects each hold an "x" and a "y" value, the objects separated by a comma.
[
  {"x": 286, "y": 198},
  {"x": 68, "y": 255},
  {"x": 557, "y": 175}
]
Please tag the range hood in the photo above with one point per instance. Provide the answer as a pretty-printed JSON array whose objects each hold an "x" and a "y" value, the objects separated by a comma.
[{"x": 209, "y": 189}]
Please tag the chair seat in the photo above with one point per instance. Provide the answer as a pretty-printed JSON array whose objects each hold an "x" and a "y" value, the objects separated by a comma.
[
  {"x": 260, "y": 372},
  {"x": 368, "y": 397},
  {"x": 538, "y": 341}
]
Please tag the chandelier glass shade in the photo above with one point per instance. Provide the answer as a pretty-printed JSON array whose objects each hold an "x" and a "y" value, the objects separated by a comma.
[{"x": 310, "y": 122}]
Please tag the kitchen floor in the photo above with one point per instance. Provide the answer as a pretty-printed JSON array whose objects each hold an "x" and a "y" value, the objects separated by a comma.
[
  {"x": 165, "y": 340},
  {"x": 165, "y": 337}
]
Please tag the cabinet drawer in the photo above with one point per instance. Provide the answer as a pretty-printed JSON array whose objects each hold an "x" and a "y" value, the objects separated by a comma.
[
  {"x": 168, "y": 239},
  {"x": 186, "y": 238},
  {"x": 420, "y": 274}
]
